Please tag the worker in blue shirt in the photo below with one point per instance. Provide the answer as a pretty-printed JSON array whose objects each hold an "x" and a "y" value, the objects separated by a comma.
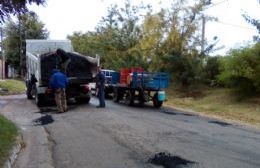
[
  {"x": 100, "y": 85},
  {"x": 58, "y": 83}
]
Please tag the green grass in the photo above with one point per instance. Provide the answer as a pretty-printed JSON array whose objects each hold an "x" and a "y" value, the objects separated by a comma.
[
  {"x": 8, "y": 132},
  {"x": 217, "y": 102},
  {"x": 13, "y": 86}
]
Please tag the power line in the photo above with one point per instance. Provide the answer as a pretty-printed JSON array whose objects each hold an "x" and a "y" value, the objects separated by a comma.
[
  {"x": 216, "y": 4},
  {"x": 234, "y": 25}
]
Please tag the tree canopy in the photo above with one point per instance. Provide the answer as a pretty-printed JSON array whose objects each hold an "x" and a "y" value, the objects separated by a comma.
[
  {"x": 136, "y": 36},
  {"x": 28, "y": 27},
  {"x": 9, "y": 7},
  {"x": 255, "y": 22}
]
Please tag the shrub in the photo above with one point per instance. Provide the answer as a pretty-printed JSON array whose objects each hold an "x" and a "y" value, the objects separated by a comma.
[{"x": 241, "y": 70}]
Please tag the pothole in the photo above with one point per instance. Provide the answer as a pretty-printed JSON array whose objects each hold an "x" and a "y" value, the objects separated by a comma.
[
  {"x": 221, "y": 123},
  {"x": 44, "y": 120},
  {"x": 169, "y": 161}
]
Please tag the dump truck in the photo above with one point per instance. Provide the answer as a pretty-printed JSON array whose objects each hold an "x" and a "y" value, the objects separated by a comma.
[{"x": 42, "y": 56}]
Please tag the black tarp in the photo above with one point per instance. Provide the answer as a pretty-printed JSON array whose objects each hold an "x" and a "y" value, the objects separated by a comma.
[{"x": 79, "y": 69}]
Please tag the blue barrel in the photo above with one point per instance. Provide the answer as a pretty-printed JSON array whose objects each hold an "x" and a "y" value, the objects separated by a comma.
[
  {"x": 115, "y": 77},
  {"x": 161, "y": 95}
]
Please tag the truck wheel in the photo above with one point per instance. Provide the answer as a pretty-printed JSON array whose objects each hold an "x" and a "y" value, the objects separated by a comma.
[
  {"x": 83, "y": 100},
  {"x": 28, "y": 93},
  {"x": 156, "y": 102},
  {"x": 39, "y": 100},
  {"x": 29, "y": 90},
  {"x": 87, "y": 100}
]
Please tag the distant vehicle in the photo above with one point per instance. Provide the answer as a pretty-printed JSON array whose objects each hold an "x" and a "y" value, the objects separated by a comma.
[
  {"x": 108, "y": 83},
  {"x": 42, "y": 58}
]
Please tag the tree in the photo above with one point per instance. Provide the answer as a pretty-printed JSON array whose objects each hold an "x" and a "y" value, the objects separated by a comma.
[
  {"x": 116, "y": 38},
  {"x": 178, "y": 52},
  {"x": 28, "y": 27},
  {"x": 9, "y": 7},
  {"x": 152, "y": 31},
  {"x": 136, "y": 36}
]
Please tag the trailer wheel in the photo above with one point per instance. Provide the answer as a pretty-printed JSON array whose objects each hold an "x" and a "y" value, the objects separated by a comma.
[
  {"x": 129, "y": 98},
  {"x": 156, "y": 102},
  {"x": 141, "y": 102},
  {"x": 117, "y": 95},
  {"x": 141, "y": 99}
]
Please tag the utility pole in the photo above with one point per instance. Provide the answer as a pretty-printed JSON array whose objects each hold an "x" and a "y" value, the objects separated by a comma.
[
  {"x": 2, "y": 54},
  {"x": 20, "y": 44},
  {"x": 203, "y": 34}
]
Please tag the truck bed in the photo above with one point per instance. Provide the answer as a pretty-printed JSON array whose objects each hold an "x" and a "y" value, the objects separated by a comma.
[{"x": 80, "y": 69}]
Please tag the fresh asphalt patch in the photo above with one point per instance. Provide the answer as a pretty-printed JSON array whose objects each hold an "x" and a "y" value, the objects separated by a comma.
[
  {"x": 221, "y": 123},
  {"x": 169, "y": 112},
  {"x": 176, "y": 113},
  {"x": 170, "y": 161},
  {"x": 43, "y": 120},
  {"x": 185, "y": 114}
]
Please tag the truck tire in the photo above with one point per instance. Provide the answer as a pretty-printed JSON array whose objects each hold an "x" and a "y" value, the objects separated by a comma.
[
  {"x": 39, "y": 100},
  {"x": 83, "y": 100},
  {"x": 28, "y": 94},
  {"x": 29, "y": 90},
  {"x": 156, "y": 102}
]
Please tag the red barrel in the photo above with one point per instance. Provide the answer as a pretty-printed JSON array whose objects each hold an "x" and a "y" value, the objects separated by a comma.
[
  {"x": 137, "y": 69},
  {"x": 124, "y": 72}
]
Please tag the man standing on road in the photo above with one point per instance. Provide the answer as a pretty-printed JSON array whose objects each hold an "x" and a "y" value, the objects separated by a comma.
[
  {"x": 59, "y": 83},
  {"x": 100, "y": 85}
]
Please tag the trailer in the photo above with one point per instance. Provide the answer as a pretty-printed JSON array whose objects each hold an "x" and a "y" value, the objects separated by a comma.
[
  {"x": 136, "y": 86},
  {"x": 42, "y": 56}
]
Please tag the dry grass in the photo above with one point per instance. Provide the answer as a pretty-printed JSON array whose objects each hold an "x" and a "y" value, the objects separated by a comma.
[
  {"x": 217, "y": 102},
  {"x": 12, "y": 86}
]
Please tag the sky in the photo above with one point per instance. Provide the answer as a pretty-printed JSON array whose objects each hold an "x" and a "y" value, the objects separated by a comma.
[{"x": 63, "y": 17}]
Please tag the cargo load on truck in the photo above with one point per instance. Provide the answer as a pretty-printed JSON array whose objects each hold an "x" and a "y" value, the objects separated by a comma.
[{"x": 42, "y": 56}]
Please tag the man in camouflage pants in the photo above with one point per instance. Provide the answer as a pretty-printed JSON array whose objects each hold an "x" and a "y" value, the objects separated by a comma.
[{"x": 58, "y": 83}]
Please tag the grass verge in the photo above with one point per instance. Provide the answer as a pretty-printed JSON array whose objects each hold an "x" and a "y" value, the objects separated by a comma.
[
  {"x": 217, "y": 102},
  {"x": 8, "y": 133},
  {"x": 12, "y": 86}
]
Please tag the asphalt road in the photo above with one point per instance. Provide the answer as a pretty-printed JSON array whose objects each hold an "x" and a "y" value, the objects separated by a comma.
[{"x": 129, "y": 137}]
